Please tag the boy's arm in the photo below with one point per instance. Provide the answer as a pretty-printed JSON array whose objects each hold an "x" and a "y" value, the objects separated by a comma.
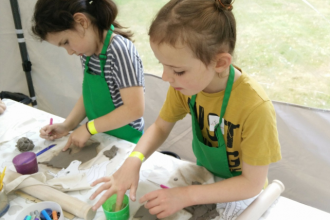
[
  {"x": 127, "y": 176},
  {"x": 165, "y": 202}
]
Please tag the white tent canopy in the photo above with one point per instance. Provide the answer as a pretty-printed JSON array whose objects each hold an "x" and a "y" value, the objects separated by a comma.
[{"x": 57, "y": 78}]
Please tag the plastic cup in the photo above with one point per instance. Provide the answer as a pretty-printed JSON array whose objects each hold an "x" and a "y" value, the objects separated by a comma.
[
  {"x": 26, "y": 163},
  {"x": 109, "y": 206}
]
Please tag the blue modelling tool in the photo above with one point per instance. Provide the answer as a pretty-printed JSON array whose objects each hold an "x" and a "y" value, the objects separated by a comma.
[
  {"x": 45, "y": 214},
  {"x": 28, "y": 217},
  {"x": 45, "y": 149}
]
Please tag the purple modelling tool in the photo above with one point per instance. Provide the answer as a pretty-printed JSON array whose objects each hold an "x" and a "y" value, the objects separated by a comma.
[
  {"x": 161, "y": 185},
  {"x": 45, "y": 149},
  {"x": 40, "y": 152}
]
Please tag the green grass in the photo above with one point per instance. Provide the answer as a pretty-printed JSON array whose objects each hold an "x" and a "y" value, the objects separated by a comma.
[{"x": 284, "y": 45}]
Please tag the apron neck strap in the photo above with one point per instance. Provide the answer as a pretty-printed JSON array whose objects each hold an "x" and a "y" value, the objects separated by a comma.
[
  {"x": 103, "y": 55},
  {"x": 228, "y": 89}
]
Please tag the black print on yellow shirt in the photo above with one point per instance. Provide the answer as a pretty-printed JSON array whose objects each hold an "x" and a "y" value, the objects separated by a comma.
[{"x": 233, "y": 157}]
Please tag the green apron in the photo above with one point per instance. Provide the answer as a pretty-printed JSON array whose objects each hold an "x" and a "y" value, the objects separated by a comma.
[
  {"x": 214, "y": 159},
  {"x": 97, "y": 98}
]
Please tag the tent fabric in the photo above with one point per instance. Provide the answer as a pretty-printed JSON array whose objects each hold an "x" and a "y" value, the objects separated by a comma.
[
  {"x": 303, "y": 135},
  {"x": 57, "y": 77}
]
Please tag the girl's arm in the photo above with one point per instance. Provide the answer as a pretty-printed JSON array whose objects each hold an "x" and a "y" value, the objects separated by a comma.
[
  {"x": 127, "y": 176},
  {"x": 165, "y": 202},
  {"x": 132, "y": 109}
]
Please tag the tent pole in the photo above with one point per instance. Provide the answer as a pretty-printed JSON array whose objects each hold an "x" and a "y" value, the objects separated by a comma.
[{"x": 22, "y": 46}]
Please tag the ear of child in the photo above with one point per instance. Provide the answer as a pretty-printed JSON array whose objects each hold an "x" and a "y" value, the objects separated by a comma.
[
  {"x": 222, "y": 63},
  {"x": 82, "y": 20}
]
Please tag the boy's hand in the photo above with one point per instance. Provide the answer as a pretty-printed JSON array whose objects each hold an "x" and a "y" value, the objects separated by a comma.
[
  {"x": 126, "y": 177},
  {"x": 55, "y": 131},
  {"x": 78, "y": 137},
  {"x": 165, "y": 202}
]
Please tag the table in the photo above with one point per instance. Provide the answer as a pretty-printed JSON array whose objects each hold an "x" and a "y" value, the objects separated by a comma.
[{"x": 24, "y": 121}]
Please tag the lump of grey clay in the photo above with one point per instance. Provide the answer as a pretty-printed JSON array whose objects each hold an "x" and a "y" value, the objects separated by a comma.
[
  {"x": 111, "y": 153},
  {"x": 144, "y": 214},
  {"x": 24, "y": 144}
]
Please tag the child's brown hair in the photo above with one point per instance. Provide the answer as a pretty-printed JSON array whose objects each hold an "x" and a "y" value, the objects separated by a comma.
[
  {"x": 52, "y": 16},
  {"x": 208, "y": 27}
]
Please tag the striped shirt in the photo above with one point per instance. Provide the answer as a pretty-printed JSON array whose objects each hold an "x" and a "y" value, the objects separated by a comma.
[{"x": 123, "y": 68}]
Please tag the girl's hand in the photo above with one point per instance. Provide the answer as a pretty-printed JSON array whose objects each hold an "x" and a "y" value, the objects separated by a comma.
[
  {"x": 78, "y": 137},
  {"x": 55, "y": 131},
  {"x": 126, "y": 177},
  {"x": 2, "y": 107},
  {"x": 165, "y": 202}
]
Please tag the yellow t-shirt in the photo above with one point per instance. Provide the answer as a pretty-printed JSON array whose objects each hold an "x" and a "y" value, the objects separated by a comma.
[{"x": 249, "y": 126}]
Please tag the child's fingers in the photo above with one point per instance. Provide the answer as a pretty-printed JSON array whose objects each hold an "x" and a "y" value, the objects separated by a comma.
[
  {"x": 156, "y": 210},
  {"x": 119, "y": 201},
  {"x": 68, "y": 144},
  {"x": 161, "y": 215},
  {"x": 105, "y": 186},
  {"x": 152, "y": 203},
  {"x": 132, "y": 192},
  {"x": 103, "y": 198},
  {"x": 101, "y": 180},
  {"x": 148, "y": 196}
]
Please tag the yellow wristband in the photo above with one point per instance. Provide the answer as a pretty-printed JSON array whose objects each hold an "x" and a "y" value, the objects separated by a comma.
[
  {"x": 91, "y": 127},
  {"x": 138, "y": 155}
]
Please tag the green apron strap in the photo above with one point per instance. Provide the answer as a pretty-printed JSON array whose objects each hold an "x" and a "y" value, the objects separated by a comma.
[
  {"x": 225, "y": 101},
  {"x": 214, "y": 159},
  {"x": 103, "y": 55}
]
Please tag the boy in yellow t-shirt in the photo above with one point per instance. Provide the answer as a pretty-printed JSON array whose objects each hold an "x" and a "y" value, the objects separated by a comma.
[
  {"x": 249, "y": 121},
  {"x": 233, "y": 121}
]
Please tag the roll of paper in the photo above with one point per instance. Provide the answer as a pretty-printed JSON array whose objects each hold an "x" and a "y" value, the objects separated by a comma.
[
  {"x": 259, "y": 206},
  {"x": 43, "y": 192}
]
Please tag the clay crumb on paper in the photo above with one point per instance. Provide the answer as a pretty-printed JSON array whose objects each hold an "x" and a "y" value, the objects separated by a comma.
[{"x": 111, "y": 153}]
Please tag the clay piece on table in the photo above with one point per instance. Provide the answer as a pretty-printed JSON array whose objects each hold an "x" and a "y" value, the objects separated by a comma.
[
  {"x": 24, "y": 144},
  {"x": 144, "y": 214},
  {"x": 202, "y": 212},
  {"x": 64, "y": 158},
  {"x": 111, "y": 153}
]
